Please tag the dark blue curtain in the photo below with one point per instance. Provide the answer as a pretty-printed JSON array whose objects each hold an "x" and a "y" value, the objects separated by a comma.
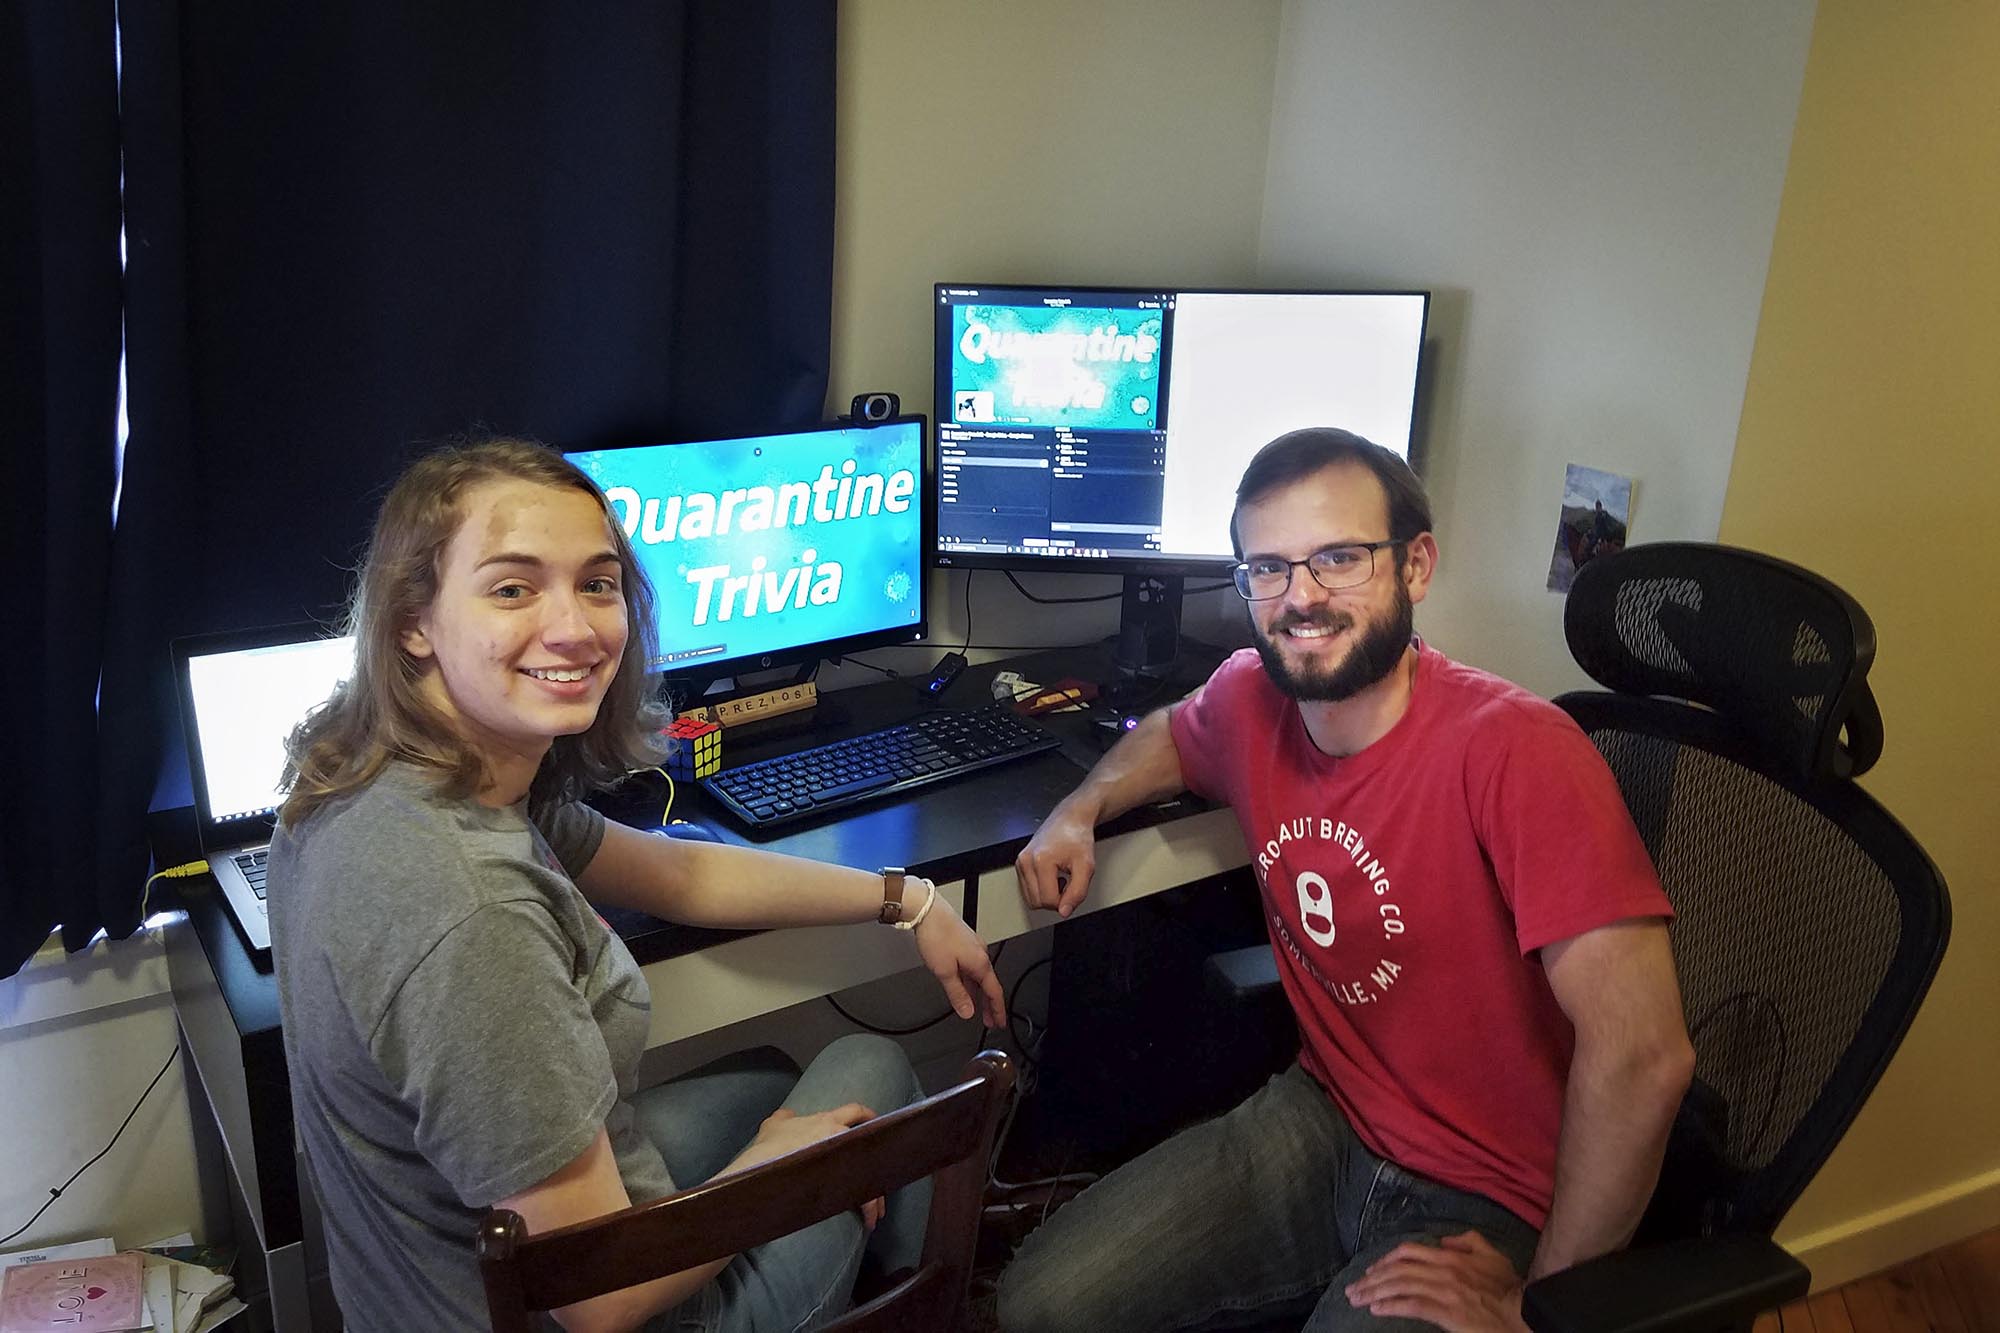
[
  {"x": 355, "y": 228},
  {"x": 59, "y": 334}
]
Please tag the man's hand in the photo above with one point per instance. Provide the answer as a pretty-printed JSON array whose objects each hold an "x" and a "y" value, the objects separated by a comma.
[
  {"x": 959, "y": 961},
  {"x": 786, "y": 1131},
  {"x": 1461, "y": 1284},
  {"x": 1055, "y": 867}
]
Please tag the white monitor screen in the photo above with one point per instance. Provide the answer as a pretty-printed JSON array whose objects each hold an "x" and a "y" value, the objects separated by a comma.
[
  {"x": 245, "y": 705},
  {"x": 1111, "y": 425}
]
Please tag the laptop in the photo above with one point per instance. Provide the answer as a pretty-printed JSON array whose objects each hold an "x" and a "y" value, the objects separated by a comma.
[{"x": 241, "y": 694}]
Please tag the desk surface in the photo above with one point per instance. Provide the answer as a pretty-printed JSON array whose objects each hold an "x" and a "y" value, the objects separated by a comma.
[{"x": 951, "y": 831}]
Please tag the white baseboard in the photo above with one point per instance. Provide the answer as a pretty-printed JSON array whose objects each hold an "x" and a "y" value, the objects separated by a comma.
[{"x": 1889, "y": 1236}]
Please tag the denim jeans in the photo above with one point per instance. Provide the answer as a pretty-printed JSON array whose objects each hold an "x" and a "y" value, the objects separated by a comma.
[
  {"x": 1261, "y": 1215},
  {"x": 702, "y": 1120}
]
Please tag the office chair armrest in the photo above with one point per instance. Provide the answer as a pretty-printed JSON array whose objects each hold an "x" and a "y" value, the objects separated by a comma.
[
  {"x": 1688, "y": 1286},
  {"x": 1694, "y": 1286}
]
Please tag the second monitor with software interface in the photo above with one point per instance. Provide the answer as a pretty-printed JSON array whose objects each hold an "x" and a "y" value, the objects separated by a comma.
[{"x": 1103, "y": 429}]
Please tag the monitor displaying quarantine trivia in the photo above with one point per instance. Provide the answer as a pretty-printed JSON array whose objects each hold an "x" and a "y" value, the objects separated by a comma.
[{"x": 775, "y": 549}]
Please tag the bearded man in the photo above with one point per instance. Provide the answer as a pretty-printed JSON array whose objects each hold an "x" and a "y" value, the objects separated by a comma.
[{"x": 1465, "y": 923}]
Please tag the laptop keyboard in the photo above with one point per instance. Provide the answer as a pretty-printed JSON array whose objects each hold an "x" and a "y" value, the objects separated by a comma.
[
  {"x": 933, "y": 747},
  {"x": 252, "y": 864}
]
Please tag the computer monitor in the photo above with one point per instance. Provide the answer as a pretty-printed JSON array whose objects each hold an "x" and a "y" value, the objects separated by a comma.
[
  {"x": 776, "y": 550},
  {"x": 1103, "y": 429},
  {"x": 242, "y": 693}
]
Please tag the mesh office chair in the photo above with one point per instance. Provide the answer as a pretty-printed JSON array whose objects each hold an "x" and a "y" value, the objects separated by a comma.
[
  {"x": 948, "y": 1136},
  {"x": 1809, "y": 923}
]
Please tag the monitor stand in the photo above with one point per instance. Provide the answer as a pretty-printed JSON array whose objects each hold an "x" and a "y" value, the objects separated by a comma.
[{"x": 1149, "y": 632}]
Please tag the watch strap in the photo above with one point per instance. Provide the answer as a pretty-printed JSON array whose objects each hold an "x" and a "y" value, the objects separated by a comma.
[{"x": 893, "y": 879}]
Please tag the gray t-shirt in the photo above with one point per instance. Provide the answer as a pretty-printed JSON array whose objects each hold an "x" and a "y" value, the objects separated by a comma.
[{"x": 458, "y": 1025}]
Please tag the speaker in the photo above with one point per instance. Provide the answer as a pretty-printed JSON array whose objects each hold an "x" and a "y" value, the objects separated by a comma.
[{"x": 872, "y": 409}]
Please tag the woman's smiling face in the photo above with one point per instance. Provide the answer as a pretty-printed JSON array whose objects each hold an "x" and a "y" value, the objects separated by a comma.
[{"x": 524, "y": 635}]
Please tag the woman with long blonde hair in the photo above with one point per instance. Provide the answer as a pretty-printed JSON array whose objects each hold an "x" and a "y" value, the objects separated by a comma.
[{"x": 462, "y": 1029}]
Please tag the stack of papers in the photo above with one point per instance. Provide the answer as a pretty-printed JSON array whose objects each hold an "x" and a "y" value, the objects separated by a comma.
[
  {"x": 172, "y": 1287},
  {"x": 86, "y": 1293}
]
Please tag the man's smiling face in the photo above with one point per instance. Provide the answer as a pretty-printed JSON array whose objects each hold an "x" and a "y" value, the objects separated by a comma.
[{"x": 1320, "y": 644}]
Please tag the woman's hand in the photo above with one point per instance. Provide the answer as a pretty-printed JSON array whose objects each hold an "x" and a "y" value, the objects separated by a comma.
[
  {"x": 786, "y": 1131},
  {"x": 957, "y": 958}
]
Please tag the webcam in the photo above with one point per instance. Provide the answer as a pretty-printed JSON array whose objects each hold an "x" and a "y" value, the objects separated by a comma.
[{"x": 872, "y": 409}]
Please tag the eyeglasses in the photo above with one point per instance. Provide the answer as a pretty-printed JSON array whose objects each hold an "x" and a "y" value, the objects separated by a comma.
[{"x": 1332, "y": 567}]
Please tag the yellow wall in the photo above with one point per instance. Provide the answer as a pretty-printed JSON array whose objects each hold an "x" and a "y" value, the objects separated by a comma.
[{"x": 1869, "y": 450}]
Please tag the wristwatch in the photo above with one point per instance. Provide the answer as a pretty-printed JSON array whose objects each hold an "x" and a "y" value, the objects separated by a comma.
[{"x": 892, "y": 894}]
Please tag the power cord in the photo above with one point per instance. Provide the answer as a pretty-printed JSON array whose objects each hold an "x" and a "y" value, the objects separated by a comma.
[
  {"x": 57, "y": 1192},
  {"x": 891, "y": 1032},
  {"x": 969, "y": 645},
  {"x": 1058, "y": 601},
  {"x": 890, "y": 672},
  {"x": 1098, "y": 597},
  {"x": 968, "y": 612},
  {"x": 927, "y": 1024},
  {"x": 186, "y": 870},
  {"x": 893, "y": 674},
  {"x": 983, "y": 647},
  {"x": 1031, "y": 1044},
  {"x": 668, "y": 809}
]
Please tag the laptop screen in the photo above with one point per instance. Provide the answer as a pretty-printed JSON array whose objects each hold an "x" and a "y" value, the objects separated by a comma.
[{"x": 246, "y": 702}]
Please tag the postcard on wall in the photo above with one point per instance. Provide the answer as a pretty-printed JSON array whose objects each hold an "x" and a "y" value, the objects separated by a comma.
[{"x": 1596, "y": 513}]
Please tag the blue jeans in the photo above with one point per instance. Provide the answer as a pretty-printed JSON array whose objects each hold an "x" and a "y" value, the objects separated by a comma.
[
  {"x": 701, "y": 1121},
  {"x": 1261, "y": 1215}
]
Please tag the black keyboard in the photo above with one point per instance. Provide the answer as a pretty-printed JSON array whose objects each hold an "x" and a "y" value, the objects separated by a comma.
[
  {"x": 934, "y": 747},
  {"x": 254, "y": 865}
]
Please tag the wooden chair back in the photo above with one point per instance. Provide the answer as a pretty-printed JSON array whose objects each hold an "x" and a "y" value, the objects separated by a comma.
[{"x": 948, "y": 1136}]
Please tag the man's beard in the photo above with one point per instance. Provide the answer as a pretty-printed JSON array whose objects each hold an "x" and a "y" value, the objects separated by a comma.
[{"x": 1372, "y": 656}]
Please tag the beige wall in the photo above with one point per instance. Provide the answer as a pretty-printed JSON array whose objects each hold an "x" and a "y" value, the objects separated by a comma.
[
  {"x": 1132, "y": 141},
  {"x": 1868, "y": 452},
  {"x": 1119, "y": 141},
  {"x": 81, "y": 1036},
  {"x": 1590, "y": 188}
]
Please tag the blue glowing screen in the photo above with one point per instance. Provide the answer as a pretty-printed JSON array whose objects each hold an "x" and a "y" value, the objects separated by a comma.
[{"x": 770, "y": 544}]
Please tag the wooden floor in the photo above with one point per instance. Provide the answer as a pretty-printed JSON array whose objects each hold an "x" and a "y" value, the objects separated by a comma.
[{"x": 1954, "y": 1290}]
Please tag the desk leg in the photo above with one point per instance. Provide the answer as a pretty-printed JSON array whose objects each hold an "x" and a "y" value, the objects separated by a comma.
[
  {"x": 211, "y": 1159},
  {"x": 286, "y": 1283},
  {"x": 291, "y": 1304}
]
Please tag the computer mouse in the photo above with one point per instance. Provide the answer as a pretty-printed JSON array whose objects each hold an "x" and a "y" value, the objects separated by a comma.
[
  {"x": 687, "y": 832},
  {"x": 1115, "y": 722}
]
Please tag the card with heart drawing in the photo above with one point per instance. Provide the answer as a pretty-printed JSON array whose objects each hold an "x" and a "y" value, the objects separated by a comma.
[{"x": 75, "y": 1295}]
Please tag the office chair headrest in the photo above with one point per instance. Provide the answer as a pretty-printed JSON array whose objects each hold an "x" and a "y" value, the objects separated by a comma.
[{"x": 1779, "y": 651}]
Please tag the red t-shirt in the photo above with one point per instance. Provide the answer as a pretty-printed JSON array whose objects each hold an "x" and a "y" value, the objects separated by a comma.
[{"x": 1406, "y": 889}]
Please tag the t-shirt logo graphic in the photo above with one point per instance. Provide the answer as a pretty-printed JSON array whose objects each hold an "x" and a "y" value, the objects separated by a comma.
[{"x": 1316, "y": 907}]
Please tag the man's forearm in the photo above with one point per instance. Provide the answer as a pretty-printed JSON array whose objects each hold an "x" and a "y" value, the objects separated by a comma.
[
  {"x": 1141, "y": 768},
  {"x": 1617, "y": 1109}
]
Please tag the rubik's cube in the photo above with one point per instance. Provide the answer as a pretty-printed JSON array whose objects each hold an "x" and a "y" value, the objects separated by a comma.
[{"x": 697, "y": 748}]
